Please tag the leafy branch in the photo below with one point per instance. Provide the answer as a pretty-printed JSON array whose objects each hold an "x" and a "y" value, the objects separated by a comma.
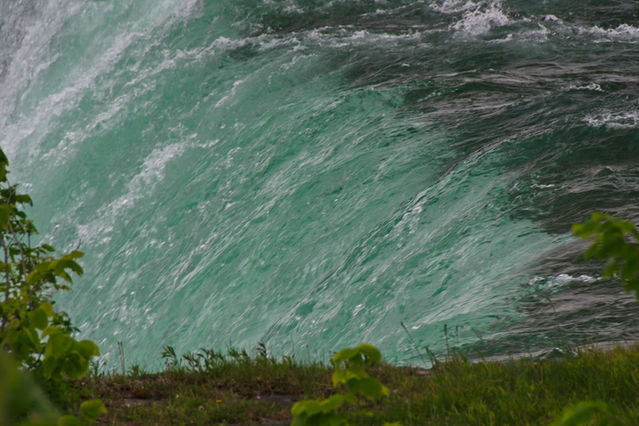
[
  {"x": 617, "y": 242},
  {"x": 351, "y": 377},
  {"x": 37, "y": 337}
]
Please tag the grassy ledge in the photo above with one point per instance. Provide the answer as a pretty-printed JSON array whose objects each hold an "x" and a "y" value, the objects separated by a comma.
[{"x": 239, "y": 389}]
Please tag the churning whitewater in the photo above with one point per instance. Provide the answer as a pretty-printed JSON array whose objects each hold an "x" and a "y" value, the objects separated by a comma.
[{"x": 312, "y": 174}]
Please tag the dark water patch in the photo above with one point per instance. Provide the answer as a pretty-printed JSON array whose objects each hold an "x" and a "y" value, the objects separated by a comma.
[
  {"x": 575, "y": 172},
  {"x": 567, "y": 319},
  {"x": 257, "y": 17},
  {"x": 589, "y": 12},
  {"x": 564, "y": 306}
]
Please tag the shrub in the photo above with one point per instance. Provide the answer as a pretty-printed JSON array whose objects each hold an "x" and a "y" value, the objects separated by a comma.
[
  {"x": 37, "y": 336},
  {"x": 351, "y": 377},
  {"x": 617, "y": 242}
]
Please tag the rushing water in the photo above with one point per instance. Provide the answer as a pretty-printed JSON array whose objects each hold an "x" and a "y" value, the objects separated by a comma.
[{"x": 311, "y": 174}]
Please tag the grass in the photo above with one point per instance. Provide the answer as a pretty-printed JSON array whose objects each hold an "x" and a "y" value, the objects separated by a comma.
[{"x": 238, "y": 389}]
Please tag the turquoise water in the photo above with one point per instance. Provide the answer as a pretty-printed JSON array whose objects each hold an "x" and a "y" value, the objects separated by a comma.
[{"x": 313, "y": 174}]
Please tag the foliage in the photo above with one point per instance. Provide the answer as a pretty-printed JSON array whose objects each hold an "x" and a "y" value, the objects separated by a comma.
[
  {"x": 590, "y": 413},
  {"x": 21, "y": 400},
  {"x": 33, "y": 335},
  {"x": 31, "y": 330},
  {"x": 90, "y": 411},
  {"x": 350, "y": 375},
  {"x": 617, "y": 242},
  {"x": 23, "y": 403}
]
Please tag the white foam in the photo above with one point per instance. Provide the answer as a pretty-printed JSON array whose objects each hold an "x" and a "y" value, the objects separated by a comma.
[
  {"x": 560, "y": 280},
  {"x": 591, "y": 86},
  {"x": 481, "y": 20},
  {"x": 623, "y": 32},
  {"x": 230, "y": 94},
  {"x": 31, "y": 58},
  {"x": 563, "y": 278},
  {"x": 552, "y": 18},
  {"x": 623, "y": 120},
  {"x": 293, "y": 9},
  {"x": 34, "y": 57},
  {"x": 142, "y": 184},
  {"x": 542, "y": 186}
]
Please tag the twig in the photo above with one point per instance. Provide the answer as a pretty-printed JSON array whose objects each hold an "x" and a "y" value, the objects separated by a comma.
[
  {"x": 121, "y": 351},
  {"x": 7, "y": 289},
  {"x": 410, "y": 338}
]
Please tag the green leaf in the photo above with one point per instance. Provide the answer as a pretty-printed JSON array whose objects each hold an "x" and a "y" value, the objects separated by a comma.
[
  {"x": 75, "y": 365},
  {"x": 357, "y": 371},
  {"x": 5, "y": 215},
  {"x": 583, "y": 413},
  {"x": 50, "y": 367},
  {"x": 615, "y": 241},
  {"x": 23, "y": 199},
  {"x": 51, "y": 330},
  {"x": 69, "y": 420},
  {"x": 65, "y": 263},
  {"x": 87, "y": 349},
  {"x": 39, "y": 319},
  {"x": 371, "y": 352},
  {"x": 320, "y": 419},
  {"x": 4, "y": 163},
  {"x": 344, "y": 355},
  {"x": 47, "y": 307},
  {"x": 91, "y": 410},
  {"x": 28, "y": 337},
  {"x": 340, "y": 377},
  {"x": 59, "y": 266},
  {"x": 75, "y": 254},
  {"x": 333, "y": 403},
  {"x": 58, "y": 345},
  {"x": 308, "y": 407},
  {"x": 370, "y": 387}
]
